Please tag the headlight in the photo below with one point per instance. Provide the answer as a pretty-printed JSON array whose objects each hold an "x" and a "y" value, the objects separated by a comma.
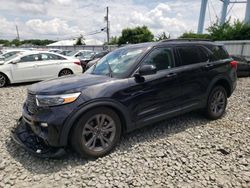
[{"x": 54, "y": 100}]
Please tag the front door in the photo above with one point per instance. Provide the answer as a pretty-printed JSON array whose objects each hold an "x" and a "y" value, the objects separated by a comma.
[
  {"x": 158, "y": 95},
  {"x": 26, "y": 69}
]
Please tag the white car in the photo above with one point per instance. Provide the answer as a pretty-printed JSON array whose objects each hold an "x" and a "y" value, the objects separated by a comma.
[
  {"x": 9, "y": 53},
  {"x": 79, "y": 53},
  {"x": 36, "y": 66}
]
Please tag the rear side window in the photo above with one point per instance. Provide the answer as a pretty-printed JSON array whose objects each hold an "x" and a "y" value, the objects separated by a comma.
[
  {"x": 161, "y": 58},
  {"x": 51, "y": 57},
  {"x": 191, "y": 55},
  {"x": 219, "y": 52}
]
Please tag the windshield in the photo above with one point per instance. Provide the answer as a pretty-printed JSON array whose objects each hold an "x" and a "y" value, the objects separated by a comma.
[
  {"x": 116, "y": 63},
  {"x": 12, "y": 57},
  {"x": 71, "y": 53}
]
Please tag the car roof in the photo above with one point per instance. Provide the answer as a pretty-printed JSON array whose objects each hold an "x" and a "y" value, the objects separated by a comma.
[{"x": 172, "y": 42}]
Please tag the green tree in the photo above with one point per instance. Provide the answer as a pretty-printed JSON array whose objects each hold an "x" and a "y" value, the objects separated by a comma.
[
  {"x": 227, "y": 31},
  {"x": 79, "y": 40},
  {"x": 135, "y": 35},
  {"x": 113, "y": 40},
  {"x": 236, "y": 31},
  {"x": 15, "y": 42},
  {"x": 194, "y": 35},
  {"x": 162, "y": 36}
]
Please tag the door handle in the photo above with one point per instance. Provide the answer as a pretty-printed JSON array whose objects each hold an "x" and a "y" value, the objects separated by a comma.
[
  {"x": 207, "y": 66},
  {"x": 171, "y": 75}
]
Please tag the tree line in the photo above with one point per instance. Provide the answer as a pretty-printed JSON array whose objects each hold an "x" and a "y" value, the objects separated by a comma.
[{"x": 31, "y": 42}]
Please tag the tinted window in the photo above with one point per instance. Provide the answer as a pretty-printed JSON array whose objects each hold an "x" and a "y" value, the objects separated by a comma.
[
  {"x": 161, "y": 58},
  {"x": 34, "y": 57},
  {"x": 191, "y": 55},
  {"x": 219, "y": 52}
]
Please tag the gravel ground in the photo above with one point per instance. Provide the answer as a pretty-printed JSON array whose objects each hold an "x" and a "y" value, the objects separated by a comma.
[{"x": 187, "y": 151}]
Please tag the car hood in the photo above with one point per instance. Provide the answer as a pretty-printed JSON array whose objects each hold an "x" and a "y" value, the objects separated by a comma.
[{"x": 67, "y": 84}]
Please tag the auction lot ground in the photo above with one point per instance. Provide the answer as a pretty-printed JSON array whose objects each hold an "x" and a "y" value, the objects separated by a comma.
[{"x": 187, "y": 151}]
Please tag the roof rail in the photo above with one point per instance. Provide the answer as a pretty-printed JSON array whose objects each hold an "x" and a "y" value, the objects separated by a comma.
[{"x": 186, "y": 39}]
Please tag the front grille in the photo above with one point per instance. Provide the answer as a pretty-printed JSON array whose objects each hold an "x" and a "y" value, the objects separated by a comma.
[{"x": 31, "y": 104}]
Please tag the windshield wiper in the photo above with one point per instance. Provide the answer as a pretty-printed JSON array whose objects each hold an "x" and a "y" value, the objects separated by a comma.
[{"x": 110, "y": 70}]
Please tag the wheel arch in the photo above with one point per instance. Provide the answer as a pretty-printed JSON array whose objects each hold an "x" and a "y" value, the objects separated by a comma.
[
  {"x": 70, "y": 122},
  {"x": 222, "y": 82},
  {"x": 7, "y": 76},
  {"x": 65, "y": 68}
]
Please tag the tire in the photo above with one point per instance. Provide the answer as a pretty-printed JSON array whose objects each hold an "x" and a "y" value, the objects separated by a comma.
[
  {"x": 90, "y": 139},
  {"x": 65, "y": 72},
  {"x": 216, "y": 104},
  {"x": 3, "y": 80}
]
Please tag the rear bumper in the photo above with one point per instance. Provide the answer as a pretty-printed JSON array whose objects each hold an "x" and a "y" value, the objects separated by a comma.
[{"x": 24, "y": 136}]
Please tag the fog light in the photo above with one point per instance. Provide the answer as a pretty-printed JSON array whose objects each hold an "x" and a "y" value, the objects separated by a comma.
[{"x": 44, "y": 124}]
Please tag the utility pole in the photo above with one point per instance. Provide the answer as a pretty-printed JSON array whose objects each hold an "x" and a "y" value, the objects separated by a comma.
[
  {"x": 17, "y": 33},
  {"x": 107, "y": 20},
  {"x": 247, "y": 14},
  {"x": 202, "y": 16}
]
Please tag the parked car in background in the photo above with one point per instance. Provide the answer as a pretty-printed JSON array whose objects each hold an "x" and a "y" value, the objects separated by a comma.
[
  {"x": 79, "y": 53},
  {"x": 10, "y": 53},
  {"x": 243, "y": 69},
  {"x": 131, "y": 87},
  {"x": 65, "y": 52},
  {"x": 95, "y": 59},
  {"x": 36, "y": 66},
  {"x": 58, "y": 51}
]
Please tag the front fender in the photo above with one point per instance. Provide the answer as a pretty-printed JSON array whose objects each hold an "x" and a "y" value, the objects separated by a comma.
[{"x": 116, "y": 106}]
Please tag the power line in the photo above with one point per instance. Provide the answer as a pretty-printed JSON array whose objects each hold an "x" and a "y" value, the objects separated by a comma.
[{"x": 214, "y": 10}]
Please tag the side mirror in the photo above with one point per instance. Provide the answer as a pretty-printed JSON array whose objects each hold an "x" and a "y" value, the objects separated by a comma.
[
  {"x": 15, "y": 61},
  {"x": 147, "y": 70},
  {"x": 143, "y": 71}
]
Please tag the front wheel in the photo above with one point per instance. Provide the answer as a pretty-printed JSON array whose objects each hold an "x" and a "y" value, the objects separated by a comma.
[
  {"x": 217, "y": 102},
  {"x": 96, "y": 133},
  {"x": 3, "y": 80}
]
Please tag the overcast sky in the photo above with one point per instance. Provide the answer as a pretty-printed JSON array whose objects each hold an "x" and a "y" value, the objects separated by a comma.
[{"x": 64, "y": 19}]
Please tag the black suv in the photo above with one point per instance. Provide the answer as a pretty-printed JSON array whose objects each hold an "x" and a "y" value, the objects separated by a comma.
[{"x": 131, "y": 87}]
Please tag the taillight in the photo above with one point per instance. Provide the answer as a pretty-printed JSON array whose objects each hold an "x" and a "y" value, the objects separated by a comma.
[
  {"x": 234, "y": 64},
  {"x": 77, "y": 62}
]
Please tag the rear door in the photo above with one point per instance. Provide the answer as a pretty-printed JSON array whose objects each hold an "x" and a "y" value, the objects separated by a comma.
[
  {"x": 26, "y": 69},
  {"x": 194, "y": 69},
  {"x": 50, "y": 65}
]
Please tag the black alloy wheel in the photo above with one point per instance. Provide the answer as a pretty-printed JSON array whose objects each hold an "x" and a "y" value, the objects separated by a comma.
[
  {"x": 3, "y": 80},
  {"x": 65, "y": 72},
  {"x": 217, "y": 102},
  {"x": 96, "y": 133}
]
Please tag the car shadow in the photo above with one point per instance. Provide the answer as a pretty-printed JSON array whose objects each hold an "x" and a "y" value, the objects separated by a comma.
[
  {"x": 160, "y": 130},
  {"x": 20, "y": 84}
]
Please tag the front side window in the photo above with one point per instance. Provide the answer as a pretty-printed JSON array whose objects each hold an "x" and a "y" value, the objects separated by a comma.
[
  {"x": 161, "y": 58},
  {"x": 28, "y": 58},
  {"x": 117, "y": 63},
  {"x": 191, "y": 55}
]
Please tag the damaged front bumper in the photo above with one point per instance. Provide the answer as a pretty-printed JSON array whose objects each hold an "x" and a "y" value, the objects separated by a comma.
[{"x": 23, "y": 135}]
